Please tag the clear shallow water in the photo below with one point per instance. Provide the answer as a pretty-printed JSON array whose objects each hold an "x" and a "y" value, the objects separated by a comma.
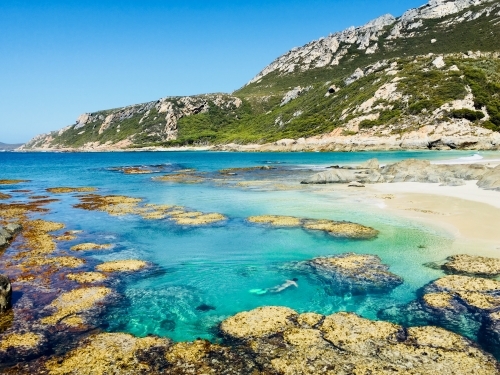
[{"x": 218, "y": 265}]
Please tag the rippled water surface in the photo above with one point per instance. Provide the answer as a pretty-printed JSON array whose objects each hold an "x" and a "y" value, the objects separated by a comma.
[{"x": 204, "y": 274}]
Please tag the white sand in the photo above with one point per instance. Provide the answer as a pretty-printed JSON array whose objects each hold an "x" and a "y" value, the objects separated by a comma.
[{"x": 469, "y": 192}]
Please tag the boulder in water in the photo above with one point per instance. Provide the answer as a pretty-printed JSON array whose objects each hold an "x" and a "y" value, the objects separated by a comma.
[{"x": 5, "y": 293}]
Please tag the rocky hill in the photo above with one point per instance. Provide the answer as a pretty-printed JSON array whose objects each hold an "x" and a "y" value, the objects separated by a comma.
[
  {"x": 9, "y": 146},
  {"x": 427, "y": 79}
]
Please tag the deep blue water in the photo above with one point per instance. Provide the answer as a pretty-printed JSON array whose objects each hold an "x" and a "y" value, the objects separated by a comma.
[{"x": 217, "y": 265}]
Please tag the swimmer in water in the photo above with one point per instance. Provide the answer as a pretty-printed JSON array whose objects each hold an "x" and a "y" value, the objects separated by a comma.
[{"x": 278, "y": 288}]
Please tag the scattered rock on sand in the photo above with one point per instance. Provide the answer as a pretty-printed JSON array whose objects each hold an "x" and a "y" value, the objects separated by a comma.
[
  {"x": 490, "y": 180},
  {"x": 355, "y": 184},
  {"x": 122, "y": 266},
  {"x": 355, "y": 273}
]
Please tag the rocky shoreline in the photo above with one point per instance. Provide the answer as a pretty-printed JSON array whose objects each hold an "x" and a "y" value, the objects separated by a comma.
[{"x": 52, "y": 328}]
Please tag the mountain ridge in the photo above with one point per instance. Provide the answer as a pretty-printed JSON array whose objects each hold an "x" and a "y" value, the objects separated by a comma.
[{"x": 361, "y": 88}]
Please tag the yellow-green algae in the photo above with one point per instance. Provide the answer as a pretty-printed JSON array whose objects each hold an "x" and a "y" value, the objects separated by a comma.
[
  {"x": 105, "y": 354},
  {"x": 19, "y": 340},
  {"x": 86, "y": 277},
  {"x": 184, "y": 178},
  {"x": 90, "y": 246},
  {"x": 334, "y": 228},
  {"x": 276, "y": 220},
  {"x": 122, "y": 266},
  {"x": 75, "y": 302},
  {"x": 12, "y": 182},
  {"x": 344, "y": 343},
  {"x": 122, "y": 205},
  {"x": 65, "y": 189},
  {"x": 473, "y": 265}
]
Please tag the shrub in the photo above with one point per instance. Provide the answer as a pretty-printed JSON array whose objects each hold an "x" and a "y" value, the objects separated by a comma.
[{"x": 467, "y": 114}]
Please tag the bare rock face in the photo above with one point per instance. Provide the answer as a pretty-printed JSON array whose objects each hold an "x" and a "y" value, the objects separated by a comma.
[
  {"x": 411, "y": 170},
  {"x": 490, "y": 180},
  {"x": 345, "y": 343},
  {"x": 355, "y": 273},
  {"x": 344, "y": 176},
  {"x": 5, "y": 294}
]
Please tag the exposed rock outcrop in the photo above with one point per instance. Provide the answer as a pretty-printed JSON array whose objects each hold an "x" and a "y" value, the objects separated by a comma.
[
  {"x": 490, "y": 180},
  {"x": 5, "y": 294},
  {"x": 8, "y": 232},
  {"x": 410, "y": 170},
  {"x": 342, "y": 229},
  {"x": 472, "y": 265},
  {"x": 285, "y": 342},
  {"x": 355, "y": 273}
]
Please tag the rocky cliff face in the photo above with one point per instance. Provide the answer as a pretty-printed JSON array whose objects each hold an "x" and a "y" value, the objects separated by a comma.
[
  {"x": 153, "y": 121},
  {"x": 333, "y": 49},
  {"x": 427, "y": 79}
]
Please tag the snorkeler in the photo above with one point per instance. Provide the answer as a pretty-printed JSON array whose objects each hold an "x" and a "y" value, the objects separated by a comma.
[{"x": 278, "y": 288}]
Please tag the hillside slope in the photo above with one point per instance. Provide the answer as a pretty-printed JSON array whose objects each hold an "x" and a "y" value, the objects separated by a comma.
[{"x": 428, "y": 79}]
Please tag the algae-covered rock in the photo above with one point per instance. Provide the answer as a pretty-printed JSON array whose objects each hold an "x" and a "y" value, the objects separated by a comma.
[
  {"x": 355, "y": 273},
  {"x": 343, "y": 229},
  {"x": 112, "y": 353},
  {"x": 127, "y": 265},
  {"x": 276, "y": 220},
  {"x": 472, "y": 265},
  {"x": 91, "y": 246},
  {"x": 64, "y": 190},
  {"x": 263, "y": 321},
  {"x": 75, "y": 303},
  {"x": 86, "y": 277},
  {"x": 5, "y": 294},
  {"x": 345, "y": 343}
]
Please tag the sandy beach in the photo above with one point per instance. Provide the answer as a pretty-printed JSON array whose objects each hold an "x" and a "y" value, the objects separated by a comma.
[{"x": 467, "y": 212}]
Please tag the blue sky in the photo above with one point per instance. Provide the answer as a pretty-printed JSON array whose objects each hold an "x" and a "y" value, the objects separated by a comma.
[{"x": 61, "y": 58}]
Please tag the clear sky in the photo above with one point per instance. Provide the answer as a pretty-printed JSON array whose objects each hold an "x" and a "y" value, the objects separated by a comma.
[{"x": 61, "y": 58}]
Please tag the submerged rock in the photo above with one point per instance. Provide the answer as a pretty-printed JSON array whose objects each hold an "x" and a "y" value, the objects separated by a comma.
[
  {"x": 355, "y": 273},
  {"x": 64, "y": 190},
  {"x": 344, "y": 229},
  {"x": 71, "y": 307},
  {"x": 5, "y": 294},
  {"x": 472, "y": 265},
  {"x": 127, "y": 265},
  {"x": 90, "y": 246},
  {"x": 345, "y": 343}
]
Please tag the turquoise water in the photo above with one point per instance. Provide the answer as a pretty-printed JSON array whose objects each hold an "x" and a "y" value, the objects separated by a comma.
[{"x": 216, "y": 266}]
